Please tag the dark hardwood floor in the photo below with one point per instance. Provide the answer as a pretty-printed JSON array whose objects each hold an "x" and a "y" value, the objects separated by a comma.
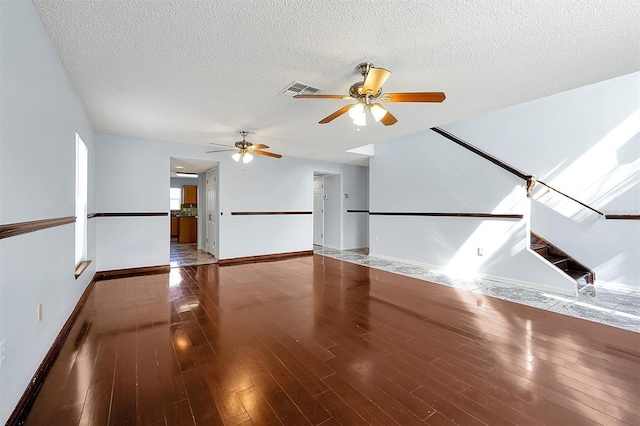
[{"x": 315, "y": 340}]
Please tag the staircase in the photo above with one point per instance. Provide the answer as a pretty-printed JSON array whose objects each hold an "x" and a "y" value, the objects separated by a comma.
[{"x": 583, "y": 275}]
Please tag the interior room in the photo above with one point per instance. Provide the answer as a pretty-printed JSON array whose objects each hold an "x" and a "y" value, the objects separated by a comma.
[{"x": 349, "y": 213}]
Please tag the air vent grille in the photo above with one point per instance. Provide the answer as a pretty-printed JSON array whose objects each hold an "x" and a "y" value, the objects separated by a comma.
[{"x": 297, "y": 88}]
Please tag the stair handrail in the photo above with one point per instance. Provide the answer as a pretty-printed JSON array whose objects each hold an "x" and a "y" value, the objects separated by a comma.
[
  {"x": 571, "y": 198},
  {"x": 531, "y": 180}
]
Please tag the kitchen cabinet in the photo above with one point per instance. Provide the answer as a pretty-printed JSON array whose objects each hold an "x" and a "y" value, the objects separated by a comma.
[
  {"x": 189, "y": 194},
  {"x": 174, "y": 226},
  {"x": 187, "y": 229}
]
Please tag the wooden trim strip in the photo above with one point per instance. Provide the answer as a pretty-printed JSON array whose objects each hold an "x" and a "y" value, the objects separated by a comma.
[
  {"x": 571, "y": 198},
  {"x": 357, "y": 211},
  {"x": 264, "y": 258},
  {"x": 132, "y": 272},
  {"x": 31, "y": 392},
  {"x": 623, "y": 216},
  {"x": 13, "y": 229},
  {"x": 135, "y": 214},
  {"x": 481, "y": 153},
  {"x": 266, "y": 213},
  {"x": 484, "y": 215}
]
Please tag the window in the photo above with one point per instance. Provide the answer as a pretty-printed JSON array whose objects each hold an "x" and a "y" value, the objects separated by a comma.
[
  {"x": 175, "y": 194},
  {"x": 81, "y": 199}
]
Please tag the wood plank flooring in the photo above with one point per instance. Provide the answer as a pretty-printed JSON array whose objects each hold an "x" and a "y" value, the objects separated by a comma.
[{"x": 317, "y": 341}]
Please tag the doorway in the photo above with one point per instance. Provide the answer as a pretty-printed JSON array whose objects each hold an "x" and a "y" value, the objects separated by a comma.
[
  {"x": 190, "y": 205},
  {"x": 211, "y": 215},
  {"x": 318, "y": 210},
  {"x": 327, "y": 210}
]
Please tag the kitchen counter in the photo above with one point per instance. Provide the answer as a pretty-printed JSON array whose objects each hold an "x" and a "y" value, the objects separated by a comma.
[{"x": 187, "y": 229}]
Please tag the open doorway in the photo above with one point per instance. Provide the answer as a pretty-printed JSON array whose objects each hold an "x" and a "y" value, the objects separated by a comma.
[
  {"x": 318, "y": 210},
  {"x": 189, "y": 207},
  {"x": 327, "y": 208},
  {"x": 211, "y": 209}
]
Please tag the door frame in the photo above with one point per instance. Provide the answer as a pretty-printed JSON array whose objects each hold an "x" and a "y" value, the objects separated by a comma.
[
  {"x": 212, "y": 182},
  {"x": 318, "y": 178}
]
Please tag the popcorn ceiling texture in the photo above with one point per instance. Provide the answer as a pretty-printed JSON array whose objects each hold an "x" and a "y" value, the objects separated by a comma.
[{"x": 197, "y": 71}]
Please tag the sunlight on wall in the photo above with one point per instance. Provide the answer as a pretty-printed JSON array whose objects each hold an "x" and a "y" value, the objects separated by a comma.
[
  {"x": 491, "y": 236},
  {"x": 612, "y": 268},
  {"x": 597, "y": 177}
]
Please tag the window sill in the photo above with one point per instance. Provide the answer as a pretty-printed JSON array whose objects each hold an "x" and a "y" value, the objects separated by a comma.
[{"x": 81, "y": 267}]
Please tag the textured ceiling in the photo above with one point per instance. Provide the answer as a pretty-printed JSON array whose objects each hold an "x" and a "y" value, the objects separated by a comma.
[{"x": 198, "y": 71}]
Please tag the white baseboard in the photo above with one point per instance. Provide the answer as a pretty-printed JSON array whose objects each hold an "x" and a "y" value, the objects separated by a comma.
[{"x": 611, "y": 285}]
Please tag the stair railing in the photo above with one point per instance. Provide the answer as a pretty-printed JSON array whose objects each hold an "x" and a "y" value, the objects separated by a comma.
[{"x": 531, "y": 179}]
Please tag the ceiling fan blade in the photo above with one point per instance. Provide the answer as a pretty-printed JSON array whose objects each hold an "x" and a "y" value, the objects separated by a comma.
[
  {"x": 322, "y": 97},
  {"x": 388, "y": 119},
  {"x": 222, "y": 150},
  {"x": 335, "y": 115},
  {"x": 413, "y": 97},
  {"x": 375, "y": 79},
  {"x": 259, "y": 146},
  {"x": 221, "y": 144},
  {"x": 268, "y": 154}
]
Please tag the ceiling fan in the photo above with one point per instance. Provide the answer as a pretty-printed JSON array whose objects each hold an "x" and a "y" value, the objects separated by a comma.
[
  {"x": 368, "y": 92},
  {"x": 246, "y": 149}
]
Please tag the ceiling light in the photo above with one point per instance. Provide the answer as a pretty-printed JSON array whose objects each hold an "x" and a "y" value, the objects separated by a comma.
[
  {"x": 356, "y": 111},
  {"x": 187, "y": 175},
  {"x": 377, "y": 111},
  {"x": 179, "y": 167},
  {"x": 361, "y": 120},
  {"x": 236, "y": 156},
  {"x": 246, "y": 158}
]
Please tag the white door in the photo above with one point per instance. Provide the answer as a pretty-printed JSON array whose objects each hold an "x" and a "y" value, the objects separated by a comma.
[
  {"x": 211, "y": 232},
  {"x": 318, "y": 211}
]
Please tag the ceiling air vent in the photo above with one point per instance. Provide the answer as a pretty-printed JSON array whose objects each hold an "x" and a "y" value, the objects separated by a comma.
[{"x": 297, "y": 88}]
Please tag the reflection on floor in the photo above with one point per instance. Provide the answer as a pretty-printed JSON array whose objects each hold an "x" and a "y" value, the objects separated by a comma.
[
  {"x": 188, "y": 254},
  {"x": 616, "y": 308}
]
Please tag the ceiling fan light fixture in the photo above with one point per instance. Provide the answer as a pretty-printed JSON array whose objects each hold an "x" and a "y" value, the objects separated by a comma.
[
  {"x": 378, "y": 111},
  {"x": 236, "y": 156},
  {"x": 360, "y": 120},
  {"x": 356, "y": 111},
  {"x": 246, "y": 158}
]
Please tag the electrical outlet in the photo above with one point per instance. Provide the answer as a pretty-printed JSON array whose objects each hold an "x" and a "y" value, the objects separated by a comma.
[
  {"x": 375, "y": 239},
  {"x": 480, "y": 251},
  {"x": 39, "y": 312},
  {"x": 3, "y": 352}
]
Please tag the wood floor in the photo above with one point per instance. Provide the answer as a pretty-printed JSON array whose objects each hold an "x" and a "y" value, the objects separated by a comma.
[{"x": 318, "y": 341}]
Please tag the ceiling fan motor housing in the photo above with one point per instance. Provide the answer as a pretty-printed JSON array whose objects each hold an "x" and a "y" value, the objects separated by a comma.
[
  {"x": 243, "y": 145},
  {"x": 355, "y": 91}
]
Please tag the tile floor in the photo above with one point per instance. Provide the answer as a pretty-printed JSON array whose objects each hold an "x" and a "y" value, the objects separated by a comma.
[
  {"x": 616, "y": 308},
  {"x": 188, "y": 254}
]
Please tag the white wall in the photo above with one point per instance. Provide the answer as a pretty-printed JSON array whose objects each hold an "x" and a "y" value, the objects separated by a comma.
[
  {"x": 264, "y": 185},
  {"x": 586, "y": 143},
  {"x": 426, "y": 173},
  {"x": 131, "y": 178},
  {"x": 357, "y": 199},
  {"x": 41, "y": 113}
]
